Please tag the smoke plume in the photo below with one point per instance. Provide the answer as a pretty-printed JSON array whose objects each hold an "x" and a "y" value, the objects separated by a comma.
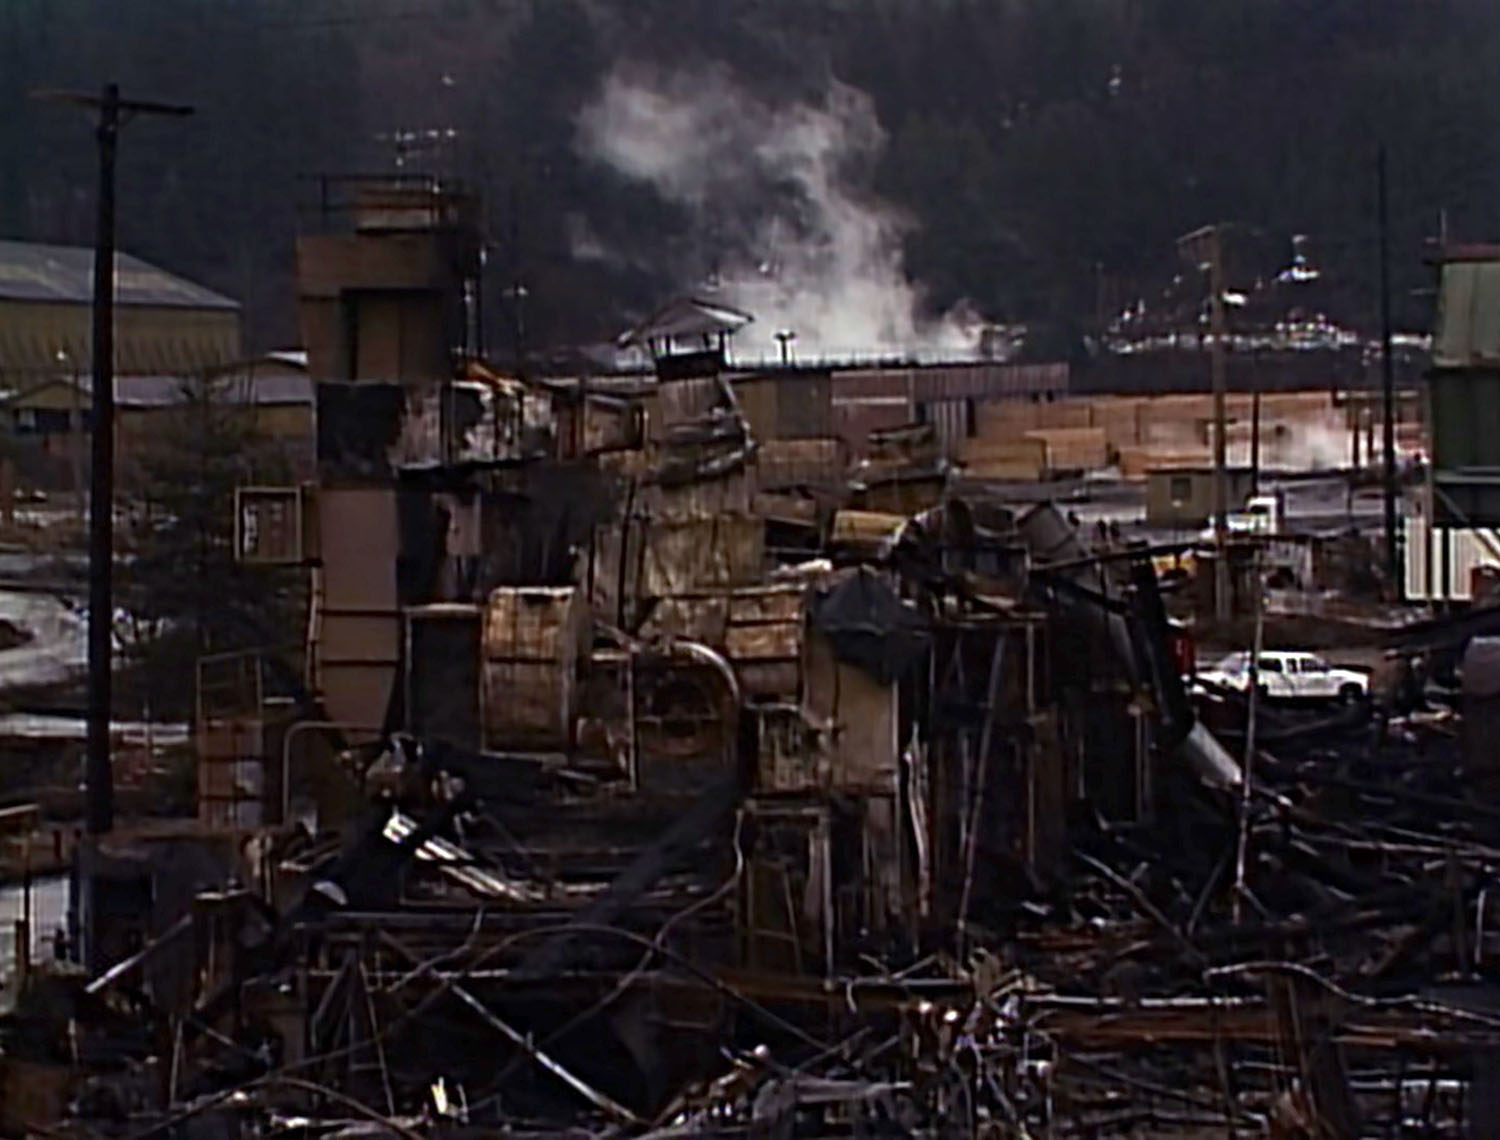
[{"x": 772, "y": 194}]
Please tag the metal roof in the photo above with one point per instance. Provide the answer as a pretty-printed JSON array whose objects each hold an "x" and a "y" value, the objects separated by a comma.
[
  {"x": 260, "y": 389},
  {"x": 240, "y": 387},
  {"x": 685, "y": 317},
  {"x": 65, "y": 274},
  {"x": 1468, "y": 315}
]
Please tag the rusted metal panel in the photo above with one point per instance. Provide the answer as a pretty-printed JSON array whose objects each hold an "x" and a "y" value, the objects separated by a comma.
[
  {"x": 471, "y": 421},
  {"x": 700, "y": 499},
  {"x": 683, "y": 401},
  {"x": 681, "y": 555},
  {"x": 930, "y": 385},
  {"x": 788, "y": 405},
  {"x": 399, "y": 337},
  {"x": 533, "y": 638},
  {"x": 357, "y": 426},
  {"x": 863, "y": 402},
  {"x": 612, "y": 424},
  {"x": 328, "y": 264},
  {"x": 801, "y": 462},
  {"x": 444, "y": 696},
  {"x": 789, "y": 923},
  {"x": 902, "y": 496},
  {"x": 862, "y": 714},
  {"x": 758, "y": 628},
  {"x": 951, "y": 420},
  {"x": 846, "y": 387},
  {"x": 972, "y": 380},
  {"x": 791, "y": 757},
  {"x": 854, "y": 421},
  {"x": 758, "y": 400},
  {"x": 358, "y": 620}
]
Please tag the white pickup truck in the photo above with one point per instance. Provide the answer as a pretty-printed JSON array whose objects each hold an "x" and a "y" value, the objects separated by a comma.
[
  {"x": 1289, "y": 676},
  {"x": 1262, "y": 514}
]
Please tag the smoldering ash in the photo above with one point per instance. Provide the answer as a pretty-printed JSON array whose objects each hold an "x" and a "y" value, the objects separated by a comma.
[{"x": 774, "y": 194}]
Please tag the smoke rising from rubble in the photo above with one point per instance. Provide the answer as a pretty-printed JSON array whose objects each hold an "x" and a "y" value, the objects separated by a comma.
[{"x": 772, "y": 193}]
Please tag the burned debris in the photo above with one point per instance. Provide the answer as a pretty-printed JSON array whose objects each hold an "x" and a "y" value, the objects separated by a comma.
[{"x": 649, "y": 774}]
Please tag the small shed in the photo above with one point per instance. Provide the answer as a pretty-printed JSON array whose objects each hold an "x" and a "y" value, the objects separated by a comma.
[{"x": 1182, "y": 497}]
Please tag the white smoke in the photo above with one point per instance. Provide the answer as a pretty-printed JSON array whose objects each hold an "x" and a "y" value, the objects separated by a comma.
[{"x": 772, "y": 193}]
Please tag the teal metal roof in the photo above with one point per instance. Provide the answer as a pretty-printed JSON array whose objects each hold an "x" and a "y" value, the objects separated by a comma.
[{"x": 1468, "y": 317}]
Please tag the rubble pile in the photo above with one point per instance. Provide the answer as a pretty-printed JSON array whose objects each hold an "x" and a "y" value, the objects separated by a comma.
[{"x": 625, "y": 789}]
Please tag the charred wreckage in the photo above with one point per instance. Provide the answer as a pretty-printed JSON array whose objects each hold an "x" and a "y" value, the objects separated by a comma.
[{"x": 634, "y": 786}]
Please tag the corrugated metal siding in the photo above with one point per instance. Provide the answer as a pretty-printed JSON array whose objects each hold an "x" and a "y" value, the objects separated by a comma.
[
  {"x": 876, "y": 398},
  {"x": 1441, "y": 561},
  {"x": 1466, "y": 420},
  {"x": 797, "y": 462},
  {"x": 1468, "y": 315},
  {"x": 869, "y": 385},
  {"x": 804, "y": 407},
  {"x": 791, "y": 405},
  {"x": 951, "y": 421},
  {"x": 147, "y": 340},
  {"x": 868, "y": 401},
  {"x": 987, "y": 379},
  {"x": 683, "y": 401},
  {"x": 758, "y": 401},
  {"x": 854, "y": 422}
]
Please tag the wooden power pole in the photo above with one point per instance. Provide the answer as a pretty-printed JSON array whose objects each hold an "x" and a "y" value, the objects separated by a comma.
[
  {"x": 113, "y": 113},
  {"x": 1388, "y": 378},
  {"x": 1205, "y": 248}
]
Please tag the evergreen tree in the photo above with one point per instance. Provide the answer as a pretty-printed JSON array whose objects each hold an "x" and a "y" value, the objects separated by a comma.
[{"x": 183, "y": 593}]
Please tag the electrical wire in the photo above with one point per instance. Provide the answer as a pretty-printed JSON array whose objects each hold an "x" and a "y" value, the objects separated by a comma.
[
  {"x": 271, "y": 1080},
  {"x": 1409, "y": 1001},
  {"x": 630, "y": 978},
  {"x": 447, "y": 984}
]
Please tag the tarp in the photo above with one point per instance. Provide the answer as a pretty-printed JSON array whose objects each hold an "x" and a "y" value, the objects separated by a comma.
[{"x": 870, "y": 627}]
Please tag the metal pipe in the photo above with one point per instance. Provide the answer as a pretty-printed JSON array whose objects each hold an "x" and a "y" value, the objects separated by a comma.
[
  {"x": 710, "y": 656},
  {"x": 286, "y": 752}
]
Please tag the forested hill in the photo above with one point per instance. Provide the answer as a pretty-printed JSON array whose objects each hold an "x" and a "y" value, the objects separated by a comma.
[{"x": 1034, "y": 159}]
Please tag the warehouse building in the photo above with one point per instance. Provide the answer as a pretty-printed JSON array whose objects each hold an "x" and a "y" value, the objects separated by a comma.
[{"x": 164, "y": 325}]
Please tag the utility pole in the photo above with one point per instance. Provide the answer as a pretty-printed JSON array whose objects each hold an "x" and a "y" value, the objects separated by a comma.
[
  {"x": 113, "y": 113},
  {"x": 1205, "y": 248},
  {"x": 1255, "y": 425},
  {"x": 1221, "y": 426},
  {"x": 1388, "y": 378}
]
